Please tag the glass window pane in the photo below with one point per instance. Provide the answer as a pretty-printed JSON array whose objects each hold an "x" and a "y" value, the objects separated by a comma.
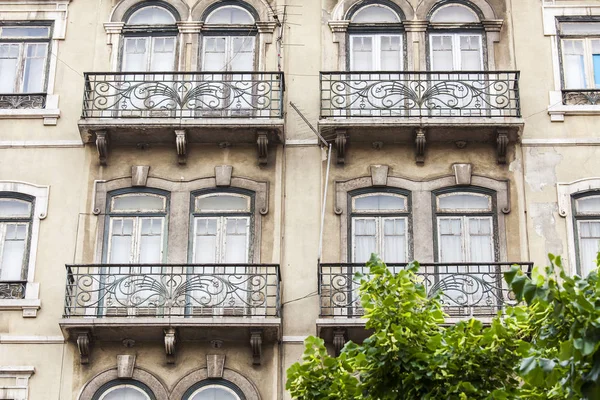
[
  {"x": 362, "y": 53},
  {"x": 25, "y": 32},
  {"x": 464, "y": 201},
  {"x": 480, "y": 235},
  {"x": 222, "y": 203},
  {"x": 365, "y": 239},
  {"x": 151, "y": 16},
  {"x": 138, "y": 203},
  {"x": 214, "y": 54},
  {"x": 589, "y": 245},
  {"x": 205, "y": 243},
  {"x": 394, "y": 244},
  {"x": 451, "y": 239},
  {"x": 236, "y": 246},
  {"x": 13, "y": 251},
  {"x": 596, "y": 62},
  {"x": 34, "y": 68},
  {"x": 375, "y": 14},
  {"x": 391, "y": 53},
  {"x": 470, "y": 53},
  {"x": 12, "y": 208},
  {"x": 126, "y": 392},
  {"x": 574, "y": 65},
  {"x": 135, "y": 55},
  {"x": 9, "y": 54},
  {"x": 163, "y": 54},
  {"x": 121, "y": 241},
  {"x": 242, "y": 57},
  {"x": 230, "y": 15},
  {"x": 580, "y": 28},
  {"x": 380, "y": 202},
  {"x": 588, "y": 204},
  {"x": 454, "y": 13},
  {"x": 151, "y": 240},
  {"x": 442, "y": 58},
  {"x": 214, "y": 393}
]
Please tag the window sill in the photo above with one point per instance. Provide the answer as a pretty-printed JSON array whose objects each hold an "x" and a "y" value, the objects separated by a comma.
[
  {"x": 29, "y": 307},
  {"x": 50, "y": 116},
  {"x": 557, "y": 110}
]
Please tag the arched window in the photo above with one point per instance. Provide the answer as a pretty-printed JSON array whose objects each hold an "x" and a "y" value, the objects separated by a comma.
[
  {"x": 149, "y": 40},
  {"x": 375, "y": 39},
  {"x": 214, "y": 390},
  {"x": 465, "y": 227},
  {"x": 119, "y": 390},
  {"x": 380, "y": 224},
  {"x": 456, "y": 39},
  {"x": 587, "y": 227},
  {"x": 16, "y": 214},
  {"x": 229, "y": 40}
]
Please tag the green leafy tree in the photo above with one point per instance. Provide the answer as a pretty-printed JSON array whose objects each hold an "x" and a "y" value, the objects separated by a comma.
[{"x": 546, "y": 348}]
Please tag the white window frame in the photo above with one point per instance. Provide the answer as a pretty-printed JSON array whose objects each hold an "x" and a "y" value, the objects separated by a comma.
[
  {"x": 456, "y": 52},
  {"x": 55, "y": 11},
  {"x": 31, "y": 303},
  {"x": 376, "y": 51},
  {"x": 591, "y": 84},
  {"x": 465, "y": 235},
  {"x": 20, "y": 389},
  {"x": 229, "y": 53},
  {"x": 150, "y": 43}
]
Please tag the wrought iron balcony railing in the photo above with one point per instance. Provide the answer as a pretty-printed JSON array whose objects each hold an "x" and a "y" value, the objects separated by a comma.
[
  {"x": 184, "y": 290},
  {"x": 183, "y": 95},
  {"x": 12, "y": 289},
  {"x": 420, "y": 94},
  {"x": 583, "y": 97},
  {"x": 468, "y": 289},
  {"x": 22, "y": 101}
]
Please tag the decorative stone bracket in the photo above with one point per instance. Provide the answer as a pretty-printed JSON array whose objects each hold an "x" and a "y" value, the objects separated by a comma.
[
  {"x": 420, "y": 141},
  {"x": 102, "y": 142},
  {"x": 502, "y": 145},
  {"x": 181, "y": 145},
  {"x": 263, "y": 147},
  {"x": 170, "y": 340},
  {"x": 84, "y": 340},
  {"x": 341, "y": 139},
  {"x": 256, "y": 345},
  {"x": 339, "y": 340}
]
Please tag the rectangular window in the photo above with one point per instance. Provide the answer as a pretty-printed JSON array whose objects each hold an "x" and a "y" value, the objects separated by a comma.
[
  {"x": 385, "y": 236},
  {"x": 136, "y": 240},
  {"x": 149, "y": 54},
  {"x": 456, "y": 52},
  {"x": 228, "y": 53},
  {"x": 376, "y": 53},
  {"x": 23, "y": 59},
  {"x": 589, "y": 244},
  {"x": 580, "y": 45},
  {"x": 13, "y": 242},
  {"x": 465, "y": 239},
  {"x": 221, "y": 240}
]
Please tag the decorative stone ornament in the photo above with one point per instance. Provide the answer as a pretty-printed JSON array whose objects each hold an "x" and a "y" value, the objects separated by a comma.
[
  {"x": 341, "y": 140},
  {"x": 181, "y": 145},
  {"x": 125, "y": 366},
  {"x": 139, "y": 175},
  {"x": 502, "y": 145},
  {"x": 420, "y": 142},
  {"x": 215, "y": 364},
  {"x": 84, "y": 340},
  {"x": 263, "y": 142},
  {"x": 223, "y": 175},
  {"x": 462, "y": 173},
  {"x": 256, "y": 344},
  {"x": 102, "y": 142},
  {"x": 170, "y": 341},
  {"x": 379, "y": 175},
  {"x": 339, "y": 340}
]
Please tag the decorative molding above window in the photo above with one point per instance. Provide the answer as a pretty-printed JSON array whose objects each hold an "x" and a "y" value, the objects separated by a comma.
[
  {"x": 33, "y": 103},
  {"x": 24, "y": 294},
  {"x": 14, "y": 382}
]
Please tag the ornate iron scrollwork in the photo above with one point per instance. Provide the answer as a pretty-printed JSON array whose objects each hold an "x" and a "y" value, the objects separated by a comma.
[
  {"x": 581, "y": 97},
  {"x": 22, "y": 101},
  {"x": 12, "y": 290}
]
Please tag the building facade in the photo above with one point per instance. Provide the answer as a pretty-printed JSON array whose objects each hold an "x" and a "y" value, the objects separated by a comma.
[{"x": 188, "y": 186}]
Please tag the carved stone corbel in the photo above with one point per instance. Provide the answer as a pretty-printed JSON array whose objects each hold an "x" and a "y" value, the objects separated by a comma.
[
  {"x": 256, "y": 344},
  {"x": 181, "y": 145},
  {"x": 340, "y": 146},
  {"x": 170, "y": 341},
  {"x": 84, "y": 340},
  {"x": 102, "y": 146},
  {"x": 263, "y": 150},
  {"x": 502, "y": 145},
  {"x": 215, "y": 364},
  {"x": 339, "y": 340},
  {"x": 420, "y": 142}
]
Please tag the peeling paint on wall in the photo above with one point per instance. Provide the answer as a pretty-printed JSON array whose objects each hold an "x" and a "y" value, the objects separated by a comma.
[
  {"x": 540, "y": 168},
  {"x": 544, "y": 224}
]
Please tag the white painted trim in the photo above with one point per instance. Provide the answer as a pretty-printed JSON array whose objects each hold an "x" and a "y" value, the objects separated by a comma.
[
  {"x": 294, "y": 339},
  {"x": 49, "y": 115},
  {"x": 40, "y": 193},
  {"x": 21, "y": 375},
  {"x": 590, "y": 141},
  {"x": 16, "y": 339},
  {"x": 16, "y": 370},
  {"x": 47, "y": 144},
  {"x": 564, "y": 191}
]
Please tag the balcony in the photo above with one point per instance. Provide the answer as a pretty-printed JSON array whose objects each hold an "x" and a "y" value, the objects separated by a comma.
[
  {"x": 153, "y": 302},
  {"x": 468, "y": 290},
  {"x": 149, "y": 108},
  {"x": 421, "y": 107}
]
